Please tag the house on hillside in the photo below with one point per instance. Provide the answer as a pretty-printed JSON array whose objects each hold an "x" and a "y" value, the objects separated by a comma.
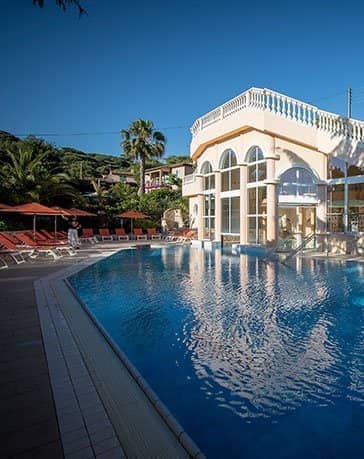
[
  {"x": 159, "y": 177},
  {"x": 114, "y": 177},
  {"x": 271, "y": 168}
]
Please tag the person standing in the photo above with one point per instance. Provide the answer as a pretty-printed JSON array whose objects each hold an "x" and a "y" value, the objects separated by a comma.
[{"x": 73, "y": 227}]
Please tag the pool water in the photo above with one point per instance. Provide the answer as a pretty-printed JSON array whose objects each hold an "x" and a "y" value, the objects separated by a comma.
[{"x": 254, "y": 358}]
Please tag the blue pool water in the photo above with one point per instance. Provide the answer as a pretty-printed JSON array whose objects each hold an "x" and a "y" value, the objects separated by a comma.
[{"x": 255, "y": 359}]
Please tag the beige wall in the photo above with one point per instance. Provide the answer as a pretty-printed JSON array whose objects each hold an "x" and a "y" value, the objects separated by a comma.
[
  {"x": 264, "y": 121},
  {"x": 192, "y": 215},
  {"x": 290, "y": 154},
  {"x": 289, "y": 132}
]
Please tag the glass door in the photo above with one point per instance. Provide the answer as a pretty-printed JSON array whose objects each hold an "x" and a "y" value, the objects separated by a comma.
[{"x": 295, "y": 224}]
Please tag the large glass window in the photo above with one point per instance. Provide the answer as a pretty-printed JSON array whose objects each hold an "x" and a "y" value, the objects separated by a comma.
[
  {"x": 338, "y": 168},
  {"x": 335, "y": 214},
  {"x": 257, "y": 214},
  {"x": 297, "y": 181},
  {"x": 336, "y": 207},
  {"x": 230, "y": 205},
  {"x": 209, "y": 176},
  {"x": 356, "y": 207},
  {"x": 257, "y": 196},
  {"x": 209, "y": 217},
  {"x": 257, "y": 167},
  {"x": 209, "y": 202},
  {"x": 230, "y": 215},
  {"x": 345, "y": 196},
  {"x": 230, "y": 175}
]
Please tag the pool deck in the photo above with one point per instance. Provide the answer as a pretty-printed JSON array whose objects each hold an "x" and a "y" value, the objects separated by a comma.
[
  {"x": 64, "y": 391},
  {"x": 53, "y": 402}
]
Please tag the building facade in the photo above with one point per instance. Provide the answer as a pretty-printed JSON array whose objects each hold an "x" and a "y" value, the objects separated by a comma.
[
  {"x": 159, "y": 177},
  {"x": 270, "y": 167}
]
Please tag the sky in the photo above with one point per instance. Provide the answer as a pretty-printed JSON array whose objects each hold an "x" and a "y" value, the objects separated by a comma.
[{"x": 86, "y": 78}]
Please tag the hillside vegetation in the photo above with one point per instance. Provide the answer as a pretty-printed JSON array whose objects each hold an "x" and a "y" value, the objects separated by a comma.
[{"x": 32, "y": 169}]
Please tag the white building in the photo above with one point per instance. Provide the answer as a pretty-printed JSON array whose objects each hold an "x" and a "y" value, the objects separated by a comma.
[{"x": 271, "y": 167}]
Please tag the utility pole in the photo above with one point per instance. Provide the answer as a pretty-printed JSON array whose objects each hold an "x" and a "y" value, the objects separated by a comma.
[
  {"x": 346, "y": 186},
  {"x": 350, "y": 99}
]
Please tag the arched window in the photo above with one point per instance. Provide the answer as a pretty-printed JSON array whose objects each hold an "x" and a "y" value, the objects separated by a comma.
[
  {"x": 257, "y": 196},
  {"x": 209, "y": 200},
  {"x": 298, "y": 181},
  {"x": 230, "y": 175},
  {"x": 257, "y": 166},
  {"x": 230, "y": 200},
  {"x": 228, "y": 159},
  {"x": 206, "y": 168},
  {"x": 209, "y": 176}
]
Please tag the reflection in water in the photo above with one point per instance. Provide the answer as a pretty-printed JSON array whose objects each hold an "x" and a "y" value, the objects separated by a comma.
[
  {"x": 263, "y": 336},
  {"x": 269, "y": 356}
]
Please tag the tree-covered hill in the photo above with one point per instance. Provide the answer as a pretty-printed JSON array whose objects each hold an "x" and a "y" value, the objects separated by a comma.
[
  {"x": 33, "y": 169},
  {"x": 78, "y": 164}
]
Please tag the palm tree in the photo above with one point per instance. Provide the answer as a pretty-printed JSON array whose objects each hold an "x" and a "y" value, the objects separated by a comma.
[
  {"x": 141, "y": 142},
  {"x": 25, "y": 177}
]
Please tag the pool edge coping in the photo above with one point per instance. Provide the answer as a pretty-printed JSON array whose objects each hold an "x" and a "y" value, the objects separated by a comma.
[
  {"x": 181, "y": 435},
  {"x": 166, "y": 416}
]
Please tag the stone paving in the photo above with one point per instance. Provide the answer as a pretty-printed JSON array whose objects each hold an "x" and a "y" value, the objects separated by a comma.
[
  {"x": 28, "y": 426},
  {"x": 28, "y": 421},
  {"x": 47, "y": 399}
]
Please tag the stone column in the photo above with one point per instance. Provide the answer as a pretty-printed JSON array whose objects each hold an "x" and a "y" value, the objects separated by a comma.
[
  {"x": 200, "y": 219},
  {"x": 312, "y": 221},
  {"x": 272, "y": 194},
  {"x": 272, "y": 200},
  {"x": 272, "y": 212},
  {"x": 243, "y": 204},
  {"x": 217, "y": 206},
  {"x": 321, "y": 224}
]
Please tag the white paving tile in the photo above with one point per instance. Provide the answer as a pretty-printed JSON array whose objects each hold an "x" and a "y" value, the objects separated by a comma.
[{"x": 81, "y": 415}]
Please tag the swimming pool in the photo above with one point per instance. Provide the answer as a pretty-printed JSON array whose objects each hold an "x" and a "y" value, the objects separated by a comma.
[{"x": 255, "y": 359}]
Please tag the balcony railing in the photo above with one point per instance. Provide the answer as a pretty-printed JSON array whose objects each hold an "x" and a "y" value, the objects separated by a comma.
[
  {"x": 286, "y": 107},
  {"x": 189, "y": 179}
]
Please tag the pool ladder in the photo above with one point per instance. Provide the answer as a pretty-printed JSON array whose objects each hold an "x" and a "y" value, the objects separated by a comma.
[{"x": 303, "y": 244}]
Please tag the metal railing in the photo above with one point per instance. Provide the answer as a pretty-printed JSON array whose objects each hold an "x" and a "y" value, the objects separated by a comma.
[{"x": 301, "y": 246}]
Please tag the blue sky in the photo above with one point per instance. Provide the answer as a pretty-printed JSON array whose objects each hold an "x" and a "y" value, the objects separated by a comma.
[{"x": 170, "y": 62}]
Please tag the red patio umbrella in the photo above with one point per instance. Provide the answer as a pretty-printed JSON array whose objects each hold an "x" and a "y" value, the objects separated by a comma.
[
  {"x": 33, "y": 208},
  {"x": 133, "y": 215},
  {"x": 4, "y": 206},
  {"x": 62, "y": 211},
  {"x": 80, "y": 213}
]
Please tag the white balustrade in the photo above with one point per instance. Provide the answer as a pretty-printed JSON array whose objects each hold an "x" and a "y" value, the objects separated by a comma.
[
  {"x": 286, "y": 107},
  {"x": 189, "y": 179}
]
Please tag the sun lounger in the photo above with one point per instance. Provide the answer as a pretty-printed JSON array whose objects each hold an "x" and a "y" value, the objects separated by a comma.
[
  {"x": 138, "y": 233},
  {"x": 58, "y": 237},
  {"x": 187, "y": 237},
  {"x": 61, "y": 246},
  {"x": 44, "y": 248},
  {"x": 152, "y": 234},
  {"x": 105, "y": 234},
  {"x": 7, "y": 248},
  {"x": 12, "y": 238},
  {"x": 121, "y": 234},
  {"x": 171, "y": 236},
  {"x": 183, "y": 238},
  {"x": 3, "y": 261},
  {"x": 46, "y": 238},
  {"x": 88, "y": 236}
]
